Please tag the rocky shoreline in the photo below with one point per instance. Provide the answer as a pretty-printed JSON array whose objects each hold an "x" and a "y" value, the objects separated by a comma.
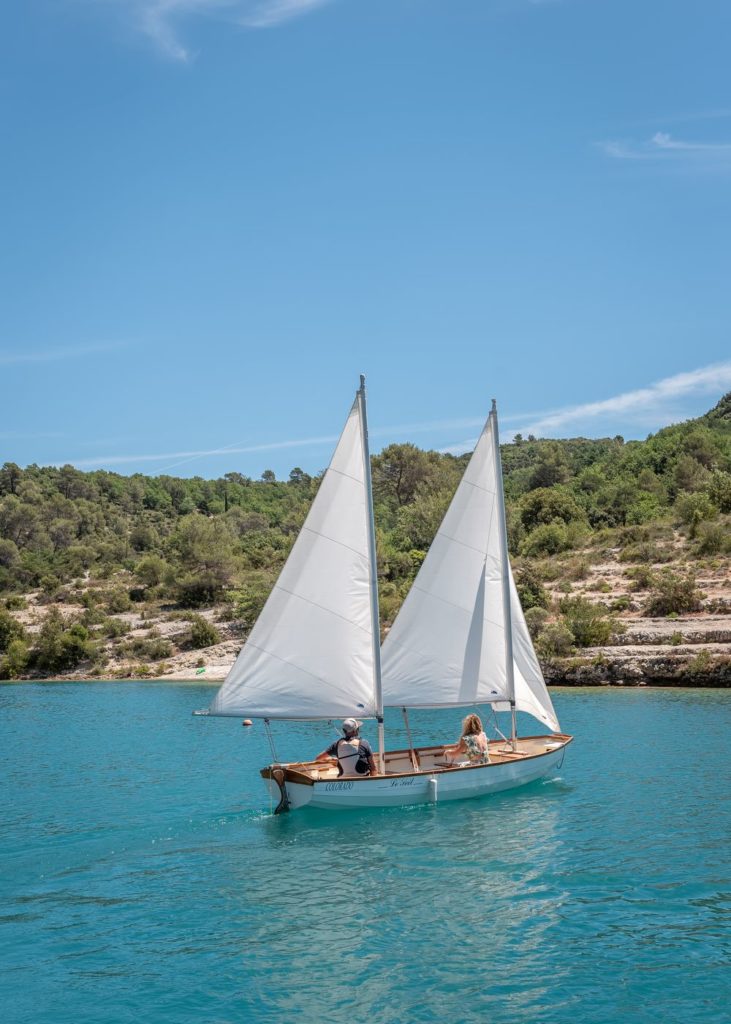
[
  {"x": 692, "y": 651},
  {"x": 689, "y": 651}
]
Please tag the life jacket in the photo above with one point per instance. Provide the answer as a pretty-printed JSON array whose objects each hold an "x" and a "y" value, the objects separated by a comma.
[{"x": 351, "y": 760}]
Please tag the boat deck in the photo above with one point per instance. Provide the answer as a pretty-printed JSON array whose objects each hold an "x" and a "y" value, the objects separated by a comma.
[{"x": 429, "y": 759}]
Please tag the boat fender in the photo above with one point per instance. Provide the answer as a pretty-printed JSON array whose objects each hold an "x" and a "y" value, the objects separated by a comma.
[
  {"x": 433, "y": 786},
  {"x": 283, "y": 805}
]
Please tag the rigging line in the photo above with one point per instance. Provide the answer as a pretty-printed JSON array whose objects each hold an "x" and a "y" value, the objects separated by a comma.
[
  {"x": 329, "y": 611},
  {"x": 469, "y": 483},
  {"x": 469, "y": 547},
  {"x": 451, "y": 604},
  {"x": 347, "y": 476},
  {"x": 325, "y": 536}
]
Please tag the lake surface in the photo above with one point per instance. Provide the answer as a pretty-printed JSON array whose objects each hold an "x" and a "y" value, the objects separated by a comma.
[{"x": 143, "y": 879}]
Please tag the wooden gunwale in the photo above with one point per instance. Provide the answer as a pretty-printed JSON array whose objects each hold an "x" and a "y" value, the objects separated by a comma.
[{"x": 294, "y": 774}]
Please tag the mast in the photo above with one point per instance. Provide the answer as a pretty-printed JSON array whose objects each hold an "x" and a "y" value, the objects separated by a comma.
[
  {"x": 505, "y": 564},
  {"x": 377, "y": 689}
]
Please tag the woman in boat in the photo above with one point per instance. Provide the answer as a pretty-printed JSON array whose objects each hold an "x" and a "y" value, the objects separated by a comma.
[
  {"x": 473, "y": 744},
  {"x": 353, "y": 754}
]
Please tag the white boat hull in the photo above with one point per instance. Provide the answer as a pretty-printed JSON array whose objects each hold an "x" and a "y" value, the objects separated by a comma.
[{"x": 433, "y": 783}]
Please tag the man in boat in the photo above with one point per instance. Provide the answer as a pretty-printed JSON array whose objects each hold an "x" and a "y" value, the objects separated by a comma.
[{"x": 354, "y": 755}]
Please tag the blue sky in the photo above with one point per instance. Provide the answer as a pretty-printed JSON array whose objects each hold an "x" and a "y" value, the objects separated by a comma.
[{"x": 217, "y": 213}]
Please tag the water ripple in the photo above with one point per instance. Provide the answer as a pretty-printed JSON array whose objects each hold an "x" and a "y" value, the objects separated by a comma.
[{"x": 143, "y": 878}]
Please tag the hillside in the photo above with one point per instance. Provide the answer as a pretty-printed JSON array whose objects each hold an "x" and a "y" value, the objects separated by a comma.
[{"x": 621, "y": 552}]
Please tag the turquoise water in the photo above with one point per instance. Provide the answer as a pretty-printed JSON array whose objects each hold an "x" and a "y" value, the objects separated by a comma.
[{"x": 143, "y": 879}]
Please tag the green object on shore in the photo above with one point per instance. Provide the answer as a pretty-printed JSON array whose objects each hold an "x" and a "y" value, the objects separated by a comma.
[{"x": 199, "y": 671}]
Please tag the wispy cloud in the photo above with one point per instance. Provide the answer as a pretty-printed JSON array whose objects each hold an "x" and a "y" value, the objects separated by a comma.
[
  {"x": 274, "y": 12},
  {"x": 54, "y": 355},
  {"x": 664, "y": 147},
  {"x": 644, "y": 405},
  {"x": 190, "y": 456},
  {"x": 651, "y": 407},
  {"x": 161, "y": 20},
  {"x": 181, "y": 458}
]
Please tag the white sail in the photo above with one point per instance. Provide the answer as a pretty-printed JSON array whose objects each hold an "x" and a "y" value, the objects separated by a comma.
[
  {"x": 447, "y": 645},
  {"x": 311, "y": 651}
]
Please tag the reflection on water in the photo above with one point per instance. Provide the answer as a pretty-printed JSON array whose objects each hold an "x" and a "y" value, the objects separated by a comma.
[{"x": 142, "y": 877}]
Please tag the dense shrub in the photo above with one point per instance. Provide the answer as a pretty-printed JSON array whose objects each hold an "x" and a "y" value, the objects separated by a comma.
[
  {"x": 59, "y": 646},
  {"x": 548, "y": 539},
  {"x": 10, "y": 630},
  {"x": 646, "y": 551},
  {"x": 693, "y": 509},
  {"x": 151, "y": 570},
  {"x": 118, "y": 601},
  {"x": 555, "y": 641},
  {"x": 114, "y": 628},
  {"x": 576, "y": 569},
  {"x": 588, "y": 623},
  {"x": 673, "y": 595},
  {"x": 548, "y": 505},
  {"x": 202, "y": 632},
  {"x": 153, "y": 648},
  {"x": 536, "y": 619},
  {"x": 641, "y": 577},
  {"x": 250, "y": 599},
  {"x": 713, "y": 539},
  {"x": 15, "y": 661},
  {"x": 531, "y": 591},
  {"x": 719, "y": 490}
]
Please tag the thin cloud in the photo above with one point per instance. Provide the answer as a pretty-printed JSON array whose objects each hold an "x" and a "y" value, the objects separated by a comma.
[
  {"x": 663, "y": 146},
  {"x": 274, "y": 12},
  {"x": 240, "y": 448},
  {"x": 649, "y": 406},
  {"x": 234, "y": 449},
  {"x": 57, "y": 354},
  {"x": 160, "y": 20},
  {"x": 641, "y": 406}
]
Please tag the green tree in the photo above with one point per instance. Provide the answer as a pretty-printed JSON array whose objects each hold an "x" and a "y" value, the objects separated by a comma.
[
  {"x": 59, "y": 647},
  {"x": 150, "y": 570},
  {"x": 9, "y": 554},
  {"x": 548, "y": 505},
  {"x": 418, "y": 522},
  {"x": 205, "y": 551},
  {"x": 552, "y": 467},
  {"x": 719, "y": 490},
  {"x": 398, "y": 473},
  {"x": 298, "y": 476},
  {"x": 10, "y": 477},
  {"x": 531, "y": 591},
  {"x": 10, "y": 629},
  {"x": 16, "y": 659}
]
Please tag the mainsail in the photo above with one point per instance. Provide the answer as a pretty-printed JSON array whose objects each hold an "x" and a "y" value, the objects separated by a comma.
[
  {"x": 311, "y": 653},
  {"x": 447, "y": 646}
]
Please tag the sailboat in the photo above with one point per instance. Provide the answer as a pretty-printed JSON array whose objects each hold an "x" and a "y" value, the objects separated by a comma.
[{"x": 460, "y": 640}]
